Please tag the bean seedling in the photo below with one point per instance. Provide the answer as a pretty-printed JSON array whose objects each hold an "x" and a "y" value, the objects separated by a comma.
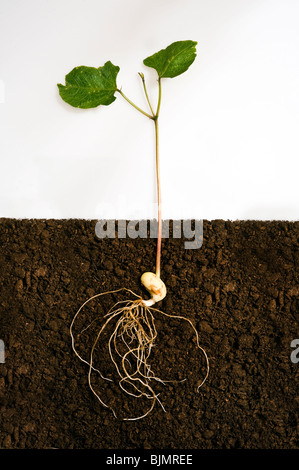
[{"x": 134, "y": 331}]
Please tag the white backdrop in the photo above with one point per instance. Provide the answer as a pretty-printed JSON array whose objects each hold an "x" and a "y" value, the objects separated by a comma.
[{"x": 228, "y": 126}]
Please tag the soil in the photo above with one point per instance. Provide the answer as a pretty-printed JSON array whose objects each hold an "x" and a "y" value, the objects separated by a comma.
[{"x": 240, "y": 290}]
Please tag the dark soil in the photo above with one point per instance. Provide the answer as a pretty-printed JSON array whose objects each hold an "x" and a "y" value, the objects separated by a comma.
[{"x": 241, "y": 291}]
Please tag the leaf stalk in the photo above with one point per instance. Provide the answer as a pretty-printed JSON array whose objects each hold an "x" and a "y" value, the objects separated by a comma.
[{"x": 133, "y": 104}]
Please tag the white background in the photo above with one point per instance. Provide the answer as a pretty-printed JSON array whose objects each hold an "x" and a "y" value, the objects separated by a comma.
[{"x": 228, "y": 126}]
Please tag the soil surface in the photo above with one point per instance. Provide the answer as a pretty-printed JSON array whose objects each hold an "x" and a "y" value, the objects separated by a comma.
[{"x": 241, "y": 292}]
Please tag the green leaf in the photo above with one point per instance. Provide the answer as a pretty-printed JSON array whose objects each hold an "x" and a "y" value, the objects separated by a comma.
[
  {"x": 88, "y": 87},
  {"x": 173, "y": 60}
]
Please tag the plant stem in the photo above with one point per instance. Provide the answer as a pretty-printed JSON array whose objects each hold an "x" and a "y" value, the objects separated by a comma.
[
  {"x": 159, "y": 240},
  {"x": 154, "y": 117},
  {"x": 134, "y": 105}
]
